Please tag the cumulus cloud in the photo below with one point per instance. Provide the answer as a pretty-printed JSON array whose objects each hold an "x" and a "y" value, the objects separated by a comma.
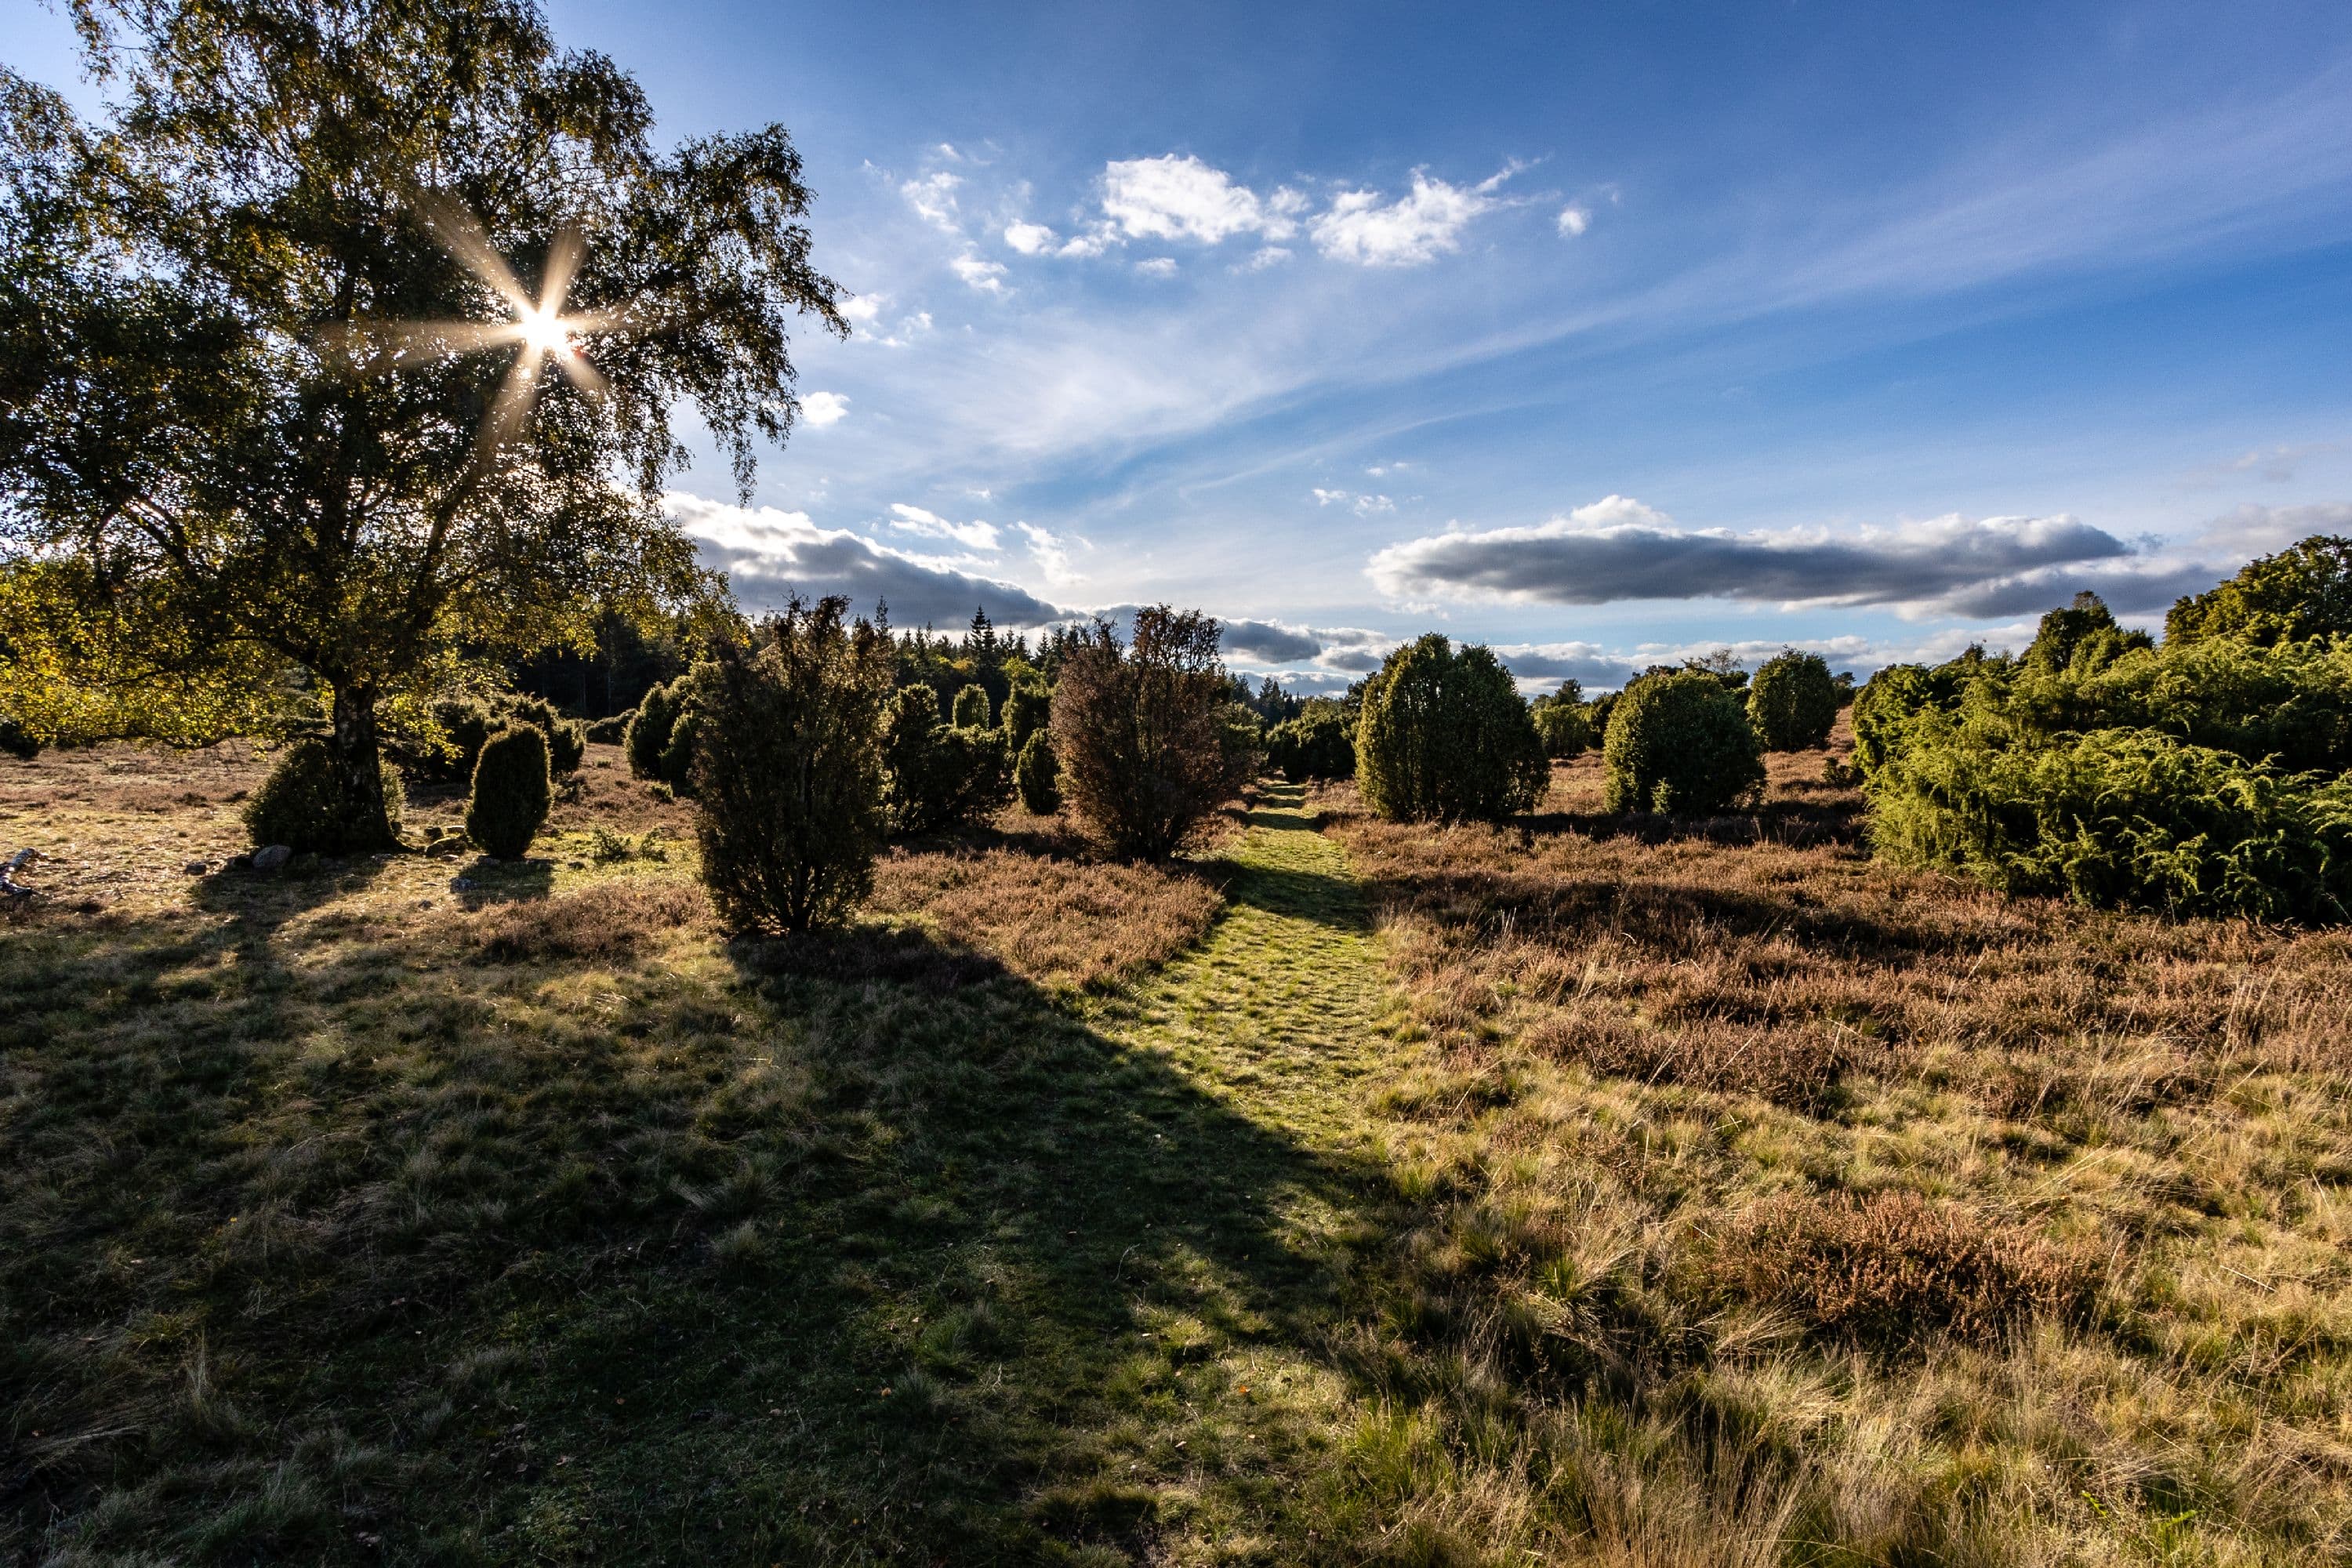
[
  {"x": 2251, "y": 530},
  {"x": 1345, "y": 650},
  {"x": 1158, "y": 266},
  {"x": 1181, "y": 197},
  {"x": 1029, "y": 238},
  {"x": 933, "y": 198},
  {"x": 769, "y": 555},
  {"x": 974, "y": 535},
  {"x": 1574, "y": 220},
  {"x": 1618, "y": 549},
  {"x": 1414, "y": 228},
  {"x": 862, "y": 311},
  {"x": 986, "y": 276},
  {"x": 824, "y": 409},
  {"x": 1264, "y": 257},
  {"x": 1362, "y": 505}
]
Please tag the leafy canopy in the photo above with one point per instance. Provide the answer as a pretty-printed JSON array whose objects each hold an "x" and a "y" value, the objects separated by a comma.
[{"x": 321, "y": 351}]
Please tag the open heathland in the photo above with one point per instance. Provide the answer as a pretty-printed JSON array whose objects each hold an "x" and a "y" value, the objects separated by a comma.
[{"x": 1584, "y": 1189}]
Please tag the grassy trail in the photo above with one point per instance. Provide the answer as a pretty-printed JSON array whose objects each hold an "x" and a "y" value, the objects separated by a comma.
[{"x": 1286, "y": 1004}]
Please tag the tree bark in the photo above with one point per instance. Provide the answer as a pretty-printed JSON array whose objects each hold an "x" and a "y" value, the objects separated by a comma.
[{"x": 359, "y": 771}]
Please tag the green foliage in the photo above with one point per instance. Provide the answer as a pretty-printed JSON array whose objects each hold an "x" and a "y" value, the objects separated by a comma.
[
  {"x": 237, "y": 431},
  {"x": 2118, "y": 816},
  {"x": 1445, "y": 737},
  {"x": 1320, "y": 744},
  {"x": 567, "y": 738},
  {"x": 1039, "y": 775},
  {"x": 1563, "y": 729},
  {"x": 1597, "y": 713},
  {"x": 1682, "y": 743},
  {"x": 301, "y": 805},
  {"x": 1142, "y": 731},
  {"x": 2082, "y": 638},
  {"x": 1028, "y": 708},
  {"x": 2304, "y": 591},
  {"x": 788, "y": 774},
  {"x": 676, "y": 765},
  {"x": 938, "y": 776},
  {"x": 511, "y": 791},
  {"x": 650, "y": 728},
  {"x": 1793, "y": 702},
  {"x": 466, "y": 724},
  {"x": 971, "y": 712},
  {"x": 1888, "y": 701},
  {"x": 610, "y": 731}
]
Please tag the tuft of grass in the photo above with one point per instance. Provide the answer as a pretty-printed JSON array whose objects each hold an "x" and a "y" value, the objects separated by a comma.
[{"x": 1888, "y": 1269}]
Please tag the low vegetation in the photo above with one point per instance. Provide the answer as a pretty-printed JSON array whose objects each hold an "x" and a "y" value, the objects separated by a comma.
[{"x": 1680, "y": 743}]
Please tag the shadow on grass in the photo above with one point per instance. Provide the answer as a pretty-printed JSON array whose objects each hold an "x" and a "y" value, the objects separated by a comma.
[{"x": 855, "y": 1247}]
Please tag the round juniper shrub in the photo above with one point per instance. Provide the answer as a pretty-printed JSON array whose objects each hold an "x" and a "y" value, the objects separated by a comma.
[
  {"x": 300, "y": 806},
  {"x": 1039, "y": 775},
  {"x": 971, "y": 708},
  {"x": 567, "y": 738},
  {"x": 649, "y": 730},
  {"x": 1793, "y": 702},
  {"x": 1027, "y": 709},
  {"x": 1680, "y": 743},
  {"x": 511, "y": 791},
  {"x": 1445, "y": 737}
]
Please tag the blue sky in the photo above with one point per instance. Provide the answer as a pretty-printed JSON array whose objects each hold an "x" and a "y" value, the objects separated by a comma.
[{"x": 1595, "y": 332}]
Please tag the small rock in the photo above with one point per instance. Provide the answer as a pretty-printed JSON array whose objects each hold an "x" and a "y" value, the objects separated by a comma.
[
  {"x": 196, "y": 867},
  {"x": 271, "y": 856},
  {"x": 424, "y": 904}
]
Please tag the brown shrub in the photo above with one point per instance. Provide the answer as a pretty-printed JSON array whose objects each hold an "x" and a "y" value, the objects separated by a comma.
[
  {"x": 606, "y": 923},
  {"x": 1888, "y": 1270}
]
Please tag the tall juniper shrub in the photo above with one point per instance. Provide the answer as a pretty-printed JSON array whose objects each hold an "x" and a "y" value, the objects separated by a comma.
[
  {"x": 1682, "y": 743},
  {"x": 788, "y": 774},
  {"x": 511, "y": 791},
  {"x": 1445, "y": 737}
]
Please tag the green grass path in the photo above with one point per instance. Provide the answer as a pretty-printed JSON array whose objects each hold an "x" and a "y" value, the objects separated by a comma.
[{"x": 1286, "y": 1004}]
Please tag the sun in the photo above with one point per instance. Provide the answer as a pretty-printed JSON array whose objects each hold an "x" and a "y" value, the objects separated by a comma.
[{"x": 545, "y": 332}]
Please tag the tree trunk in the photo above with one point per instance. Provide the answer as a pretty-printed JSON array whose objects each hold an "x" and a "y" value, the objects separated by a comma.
[{"x": 366, "y": 820}]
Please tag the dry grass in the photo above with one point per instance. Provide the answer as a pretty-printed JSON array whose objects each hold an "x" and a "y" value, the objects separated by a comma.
[
  {"x": 1701, "y": 1108},
  {"x": 1060, "y": 918}
]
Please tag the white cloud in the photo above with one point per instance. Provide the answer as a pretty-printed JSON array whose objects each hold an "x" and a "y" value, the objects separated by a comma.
[
  {"x": 862, "y": 311},
  {"x": 1407, "y": 232},
  {"x": 988, "y": 277},
  {"x": 1574, "y": 220},
  {"x": 1158, "y": 266},
  {"x": 933, "y": 199},
  {"x": 1181, "y": 197},
  {"x": 770, "y": 555},
  {"x": 1029, "y": 238},
  {"x": 824, "y": 409},
  {"x": 1617, "y": 549},
  {"x": 974, "y": 535},
  {"x": 1265, "y": 255},
  {"x": 1051, "y": 552},
  {"x": 1362, "y": 505}
]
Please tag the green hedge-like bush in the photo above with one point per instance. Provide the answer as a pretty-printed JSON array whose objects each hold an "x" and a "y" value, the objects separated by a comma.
[
  {"x": 1320, "y": 744},
  {"x": 468, "y": 722},
  {"x": 971, "y": 712},
  {"x": 610, "y": 731},
  {"x": 1445, "y": 736},
  {"x": 1039, "y": 775},
  {"x": 1028, "y": 708},
  {"x": 2119, "y": 817},
  {"x": 511, "y": 791},
  {"x": 1793, "y": 702},
  {"x": 1563, "y": 729},
  {"x": 650, "y": 729},
  {"x": 298, "y": 804},
  {"x": 938, "y": 776},
  {"x": 1682, "y": 743}
]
